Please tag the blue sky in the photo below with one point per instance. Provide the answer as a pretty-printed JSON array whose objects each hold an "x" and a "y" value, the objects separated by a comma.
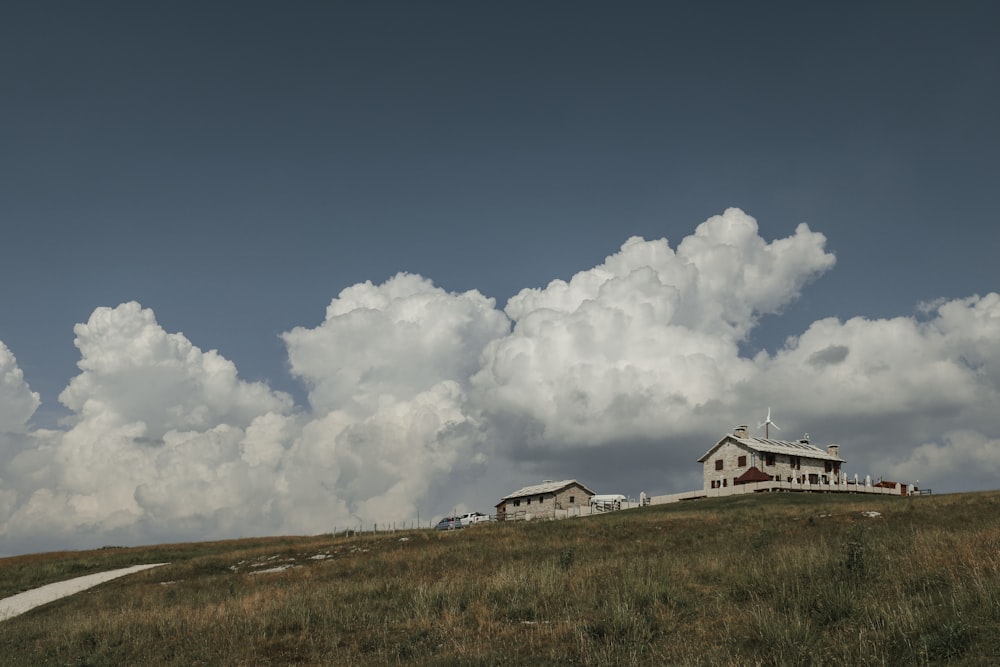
[{"x": 233, "y": 167}]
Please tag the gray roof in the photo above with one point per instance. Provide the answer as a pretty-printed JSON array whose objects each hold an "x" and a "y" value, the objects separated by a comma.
[
  {"x": 776, "y": 447},
  {"x": 545, "y": 487}
]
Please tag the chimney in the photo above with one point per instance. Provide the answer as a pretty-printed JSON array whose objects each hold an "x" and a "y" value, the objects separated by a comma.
[
  {"x": 832, "y": 450},
  {"x": 740, "y": 431}
]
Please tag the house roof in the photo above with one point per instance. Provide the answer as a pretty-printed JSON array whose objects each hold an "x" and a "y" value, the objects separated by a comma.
[
  {"x": 545, "y": 487},
  {"x": 775, "y": 447}
]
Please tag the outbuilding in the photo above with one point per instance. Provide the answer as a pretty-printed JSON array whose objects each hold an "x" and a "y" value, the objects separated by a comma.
[{"x": 543, "y": 499}]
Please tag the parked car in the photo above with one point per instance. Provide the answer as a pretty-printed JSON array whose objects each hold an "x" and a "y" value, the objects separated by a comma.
[
  {"x": 449, "y": 523},
  {"x": 472, "y": 518}
]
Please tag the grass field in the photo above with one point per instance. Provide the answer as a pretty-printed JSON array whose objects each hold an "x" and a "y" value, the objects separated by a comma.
[{"x": 767, "y": 579}]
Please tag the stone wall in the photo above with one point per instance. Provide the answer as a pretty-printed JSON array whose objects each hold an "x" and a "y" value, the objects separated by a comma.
[{"x": 546, "y": 504}]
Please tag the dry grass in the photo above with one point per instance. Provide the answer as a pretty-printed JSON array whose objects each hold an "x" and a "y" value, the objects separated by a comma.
[{"x": 772, "y": 579}]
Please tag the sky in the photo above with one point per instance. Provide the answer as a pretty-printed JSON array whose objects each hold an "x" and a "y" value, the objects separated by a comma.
[{"x": 274, "y": 268}]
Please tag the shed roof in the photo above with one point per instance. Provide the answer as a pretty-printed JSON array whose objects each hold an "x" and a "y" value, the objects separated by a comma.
[
  {"x": 546, "y": 487},
  {"x": 753, "y": 474},
  {"x": 775, "y": 447}
]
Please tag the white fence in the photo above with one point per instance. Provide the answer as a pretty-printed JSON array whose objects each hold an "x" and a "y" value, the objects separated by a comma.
[
  {"x": 763, "y": 487},
  {"x": 753, "y": 487},
  {"x": 579, "y": 510},
  {"x": 591, "y": 509}
]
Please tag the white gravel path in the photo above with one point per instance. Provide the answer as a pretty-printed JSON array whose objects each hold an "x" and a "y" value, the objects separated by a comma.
[{"x": 22, "y": 602}]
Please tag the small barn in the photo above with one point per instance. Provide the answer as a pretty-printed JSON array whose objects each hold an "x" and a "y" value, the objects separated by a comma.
[
  {"x": 543, "y": 499},
  {"x": 739, "y": 458}
]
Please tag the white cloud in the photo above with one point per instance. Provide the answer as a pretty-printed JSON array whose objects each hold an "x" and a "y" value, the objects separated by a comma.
[
  {"x": 393, "y": 340},
  {"x": 624, "y": 374},
  {"x": 17, "y": 404},
  {"x": 388, "y": 372},
  {"x": 906, "y": 398},
  {"x": 17, "y": 401},
  {"x": 962, "y": 459},
  {"x": 154, "y": 418},
  {"x": 633, "y": 348},
  {"x": 133, "y": 372},
  {"x": 166, "y": 439}
]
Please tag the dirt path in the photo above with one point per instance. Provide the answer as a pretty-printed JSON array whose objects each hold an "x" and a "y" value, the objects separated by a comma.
[{"x": 22, "y": 602}]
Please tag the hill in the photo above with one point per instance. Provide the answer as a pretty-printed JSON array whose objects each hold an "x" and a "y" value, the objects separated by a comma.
[{"x": 771, "y": 579}]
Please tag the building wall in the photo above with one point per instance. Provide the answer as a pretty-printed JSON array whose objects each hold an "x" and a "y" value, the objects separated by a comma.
[
  {"x": 571, "y": 497},
  {"x": 731, "y": 450}
]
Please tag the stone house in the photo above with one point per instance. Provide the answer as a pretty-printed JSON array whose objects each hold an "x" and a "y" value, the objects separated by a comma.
[
  {"x": 739, "y": 458},
  {"x": 543, "y": 499}
]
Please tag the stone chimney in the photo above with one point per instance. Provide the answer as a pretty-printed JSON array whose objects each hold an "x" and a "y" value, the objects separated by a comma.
[
  {"x": 740, "y": 431},
  {"x": 832, "y": 450}
]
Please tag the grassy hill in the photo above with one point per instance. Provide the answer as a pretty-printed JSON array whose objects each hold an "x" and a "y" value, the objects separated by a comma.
[{"x": 771, "y": 579}]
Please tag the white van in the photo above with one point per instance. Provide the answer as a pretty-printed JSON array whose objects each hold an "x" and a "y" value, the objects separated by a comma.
[{"x": 473, "y": 518}]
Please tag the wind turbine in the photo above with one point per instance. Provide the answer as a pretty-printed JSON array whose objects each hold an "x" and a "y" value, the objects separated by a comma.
[{"x": 767, "y": 424}]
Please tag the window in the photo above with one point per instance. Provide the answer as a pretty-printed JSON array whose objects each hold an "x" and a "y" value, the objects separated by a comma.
[
  {"x": 827, "y": 466},
  {"x": 572, "y": 499},
  {"x": 517, "y": 503},
  {"x": 718, "y": 464},
  {"x": 725, "y": 482},
  {"x": 742, "y": 461},
  {"x": 528, "y": 499},
  {"x": 541, "y": 498},
  {"x": 769, "y": 459}
]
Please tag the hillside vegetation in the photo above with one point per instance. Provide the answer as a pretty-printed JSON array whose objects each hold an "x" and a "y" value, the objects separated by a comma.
[{"x": 767, "y": 579}]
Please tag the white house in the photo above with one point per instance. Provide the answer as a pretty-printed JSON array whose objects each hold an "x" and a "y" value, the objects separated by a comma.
[{"x": 739, "y": 458}]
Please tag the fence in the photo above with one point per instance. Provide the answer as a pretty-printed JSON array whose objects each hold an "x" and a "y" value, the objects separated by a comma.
[
  {"x": 601, "y": 508},
  {"x": 579, "y": 510},
  {"x": 777, "y": 486}
]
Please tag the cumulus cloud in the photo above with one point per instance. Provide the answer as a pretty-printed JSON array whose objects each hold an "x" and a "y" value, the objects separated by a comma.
[
  {"x": 622, "y": 375},
  {"x": 961, "y": 458},
  {"x": 882, "y": 386},
  {"x": 17, "y": 401},
  {"x": 151, "y": 411},
  {"x": 393, "y": 340},
  {"x": 388, "y": 373},
  {"x": 17, "y": 404},
  {"x": 642, "y": 345},
  {"x": 134, "y": 372},
  {"x": 167, "y": 440}
]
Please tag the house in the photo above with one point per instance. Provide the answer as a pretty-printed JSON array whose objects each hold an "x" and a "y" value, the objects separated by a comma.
[
  {"x": 543, "y": 499},
  {"x": 739, "y": 458}
]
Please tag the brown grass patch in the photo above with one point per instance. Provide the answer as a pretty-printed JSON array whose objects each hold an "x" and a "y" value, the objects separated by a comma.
[{"x": 775, "y": 579}]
